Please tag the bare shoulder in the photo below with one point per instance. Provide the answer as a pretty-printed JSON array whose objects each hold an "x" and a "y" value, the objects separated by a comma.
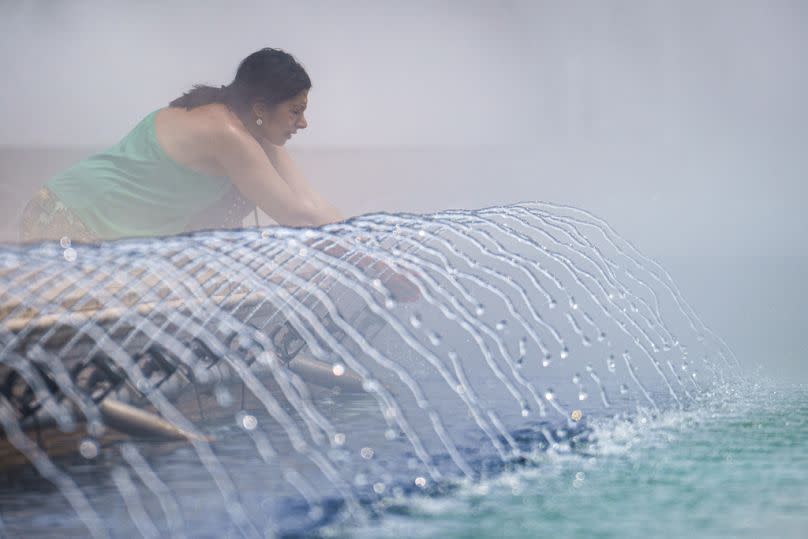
[
  {"x": 210, "y": 122},
  {"x": 197, "y": 137},
  {"x": 218, "y": 119}
]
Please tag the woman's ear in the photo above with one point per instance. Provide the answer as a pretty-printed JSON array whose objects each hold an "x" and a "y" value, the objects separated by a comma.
[{"x": 260, "y": 109}]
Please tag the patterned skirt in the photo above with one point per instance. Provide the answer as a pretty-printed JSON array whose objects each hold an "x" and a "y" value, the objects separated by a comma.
[{"x": 46, "y": 218}]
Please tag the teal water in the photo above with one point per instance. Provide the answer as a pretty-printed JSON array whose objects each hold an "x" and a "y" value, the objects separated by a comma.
[{"x": 738, "y": 467}]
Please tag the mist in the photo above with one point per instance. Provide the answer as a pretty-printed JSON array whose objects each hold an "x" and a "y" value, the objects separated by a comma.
[{"x": 682, "y": 124}]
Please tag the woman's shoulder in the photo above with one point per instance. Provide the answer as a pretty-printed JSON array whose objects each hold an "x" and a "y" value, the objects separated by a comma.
[
  {"x": 193, "y": 137},
  {"x": 200, "y": 122}
]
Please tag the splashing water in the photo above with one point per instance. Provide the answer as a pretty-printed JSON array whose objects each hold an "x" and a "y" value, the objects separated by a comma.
[{"x": 315, "y": 373}]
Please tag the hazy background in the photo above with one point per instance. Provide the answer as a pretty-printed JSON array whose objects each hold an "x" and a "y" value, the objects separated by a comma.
[{"x": 682, "y": 123}]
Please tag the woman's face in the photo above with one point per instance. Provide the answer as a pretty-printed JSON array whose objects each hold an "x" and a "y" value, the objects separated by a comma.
[{"x": 283, "y": 120}]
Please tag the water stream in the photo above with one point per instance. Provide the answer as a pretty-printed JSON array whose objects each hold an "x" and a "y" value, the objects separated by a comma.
[{"x": 295, "y": 378}]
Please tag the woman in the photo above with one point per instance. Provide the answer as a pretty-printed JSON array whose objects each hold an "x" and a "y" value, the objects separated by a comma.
[
  {"x": 202, "y": 162},
  {"x": 211, "y": 149}
]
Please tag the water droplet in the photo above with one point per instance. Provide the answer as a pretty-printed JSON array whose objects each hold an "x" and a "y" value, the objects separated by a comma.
[
  {"x": 522, "y": 347},
  {"x": 573, "y": 303},
  {"x": 501, "y": 325},
  {"x": 390, "y": 434},
  {"x": 64, "y": 242},
  {"x": 366, "y": 452},
  {"x": 266, "y": 234},
  {"x": 546, "y": 361},
  {"x": 610, "y": 295},
  {"x": 95, "y": 428},
  {"x": 89, "y": 448},
  {"x": 610, "y": 364},
  {"x": 564, "y": 353},
  {"x": 420, "y": 482},
  {"x": 378, "y": 488},
  {"x": 583, "y": 395},
  {"x": 223, "y": 396},
  {"x": 302, "y": 252},
  {"x": 389, "y": 303},
  {"x": 370, "y": 386},
  {"x": 249, "y": 422},
  {"x": 339, "y": 438},
  {"x": 525, "y": 411},
  {"x": 601, "y": 336},
  {"x": 552, "y": 303},
  {"x": 316, "y": 513},
  {"x": 586, "y": 341},
  {"x": 9, "y": 263},
  {"x": 684, "y": 365},
  {"x": 338, "y": 369},
  {"x": 377, "y": 284},
  {"x": 70, "y": 254},
  {"x": 143, "y": 385},
  {"x": 549, "y": 395},
  {"x": 576, "y": 415},
  {"x": 434, "y": 338},
  {"x": 479, "y": 310},
  {"x": 576, "y": 378},
  {"x": 589, "y": 367},
  {"x": 623, "y": 389},
  {"x": 415, "y": 321}
]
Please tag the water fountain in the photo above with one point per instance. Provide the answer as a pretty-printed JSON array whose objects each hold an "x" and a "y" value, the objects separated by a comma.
[{"x": 316, "y": 373}]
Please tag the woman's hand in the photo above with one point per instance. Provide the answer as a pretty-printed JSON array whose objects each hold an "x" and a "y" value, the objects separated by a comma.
[
  {"x": 400, "y": 284},
  {"x": 402, "y": 288}
]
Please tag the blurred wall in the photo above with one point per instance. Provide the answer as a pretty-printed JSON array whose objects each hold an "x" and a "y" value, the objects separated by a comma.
[{"x": 681, "y": 123}]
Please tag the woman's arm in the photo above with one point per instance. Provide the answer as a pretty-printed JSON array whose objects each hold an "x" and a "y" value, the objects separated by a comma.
[
  {"x": 248, "y": 166},
  {"x": 398, "y": 283},
  {"x": 289, "y": 171}
]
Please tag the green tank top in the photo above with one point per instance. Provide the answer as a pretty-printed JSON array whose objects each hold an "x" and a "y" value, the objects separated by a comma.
[{"x": 135, "y": 189}]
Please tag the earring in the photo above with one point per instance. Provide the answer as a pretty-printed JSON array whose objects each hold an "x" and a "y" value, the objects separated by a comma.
[{"x": 259, "y": 121}]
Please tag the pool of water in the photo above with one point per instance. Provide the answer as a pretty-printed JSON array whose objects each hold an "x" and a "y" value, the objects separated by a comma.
[{"x": 735, "y": 468}]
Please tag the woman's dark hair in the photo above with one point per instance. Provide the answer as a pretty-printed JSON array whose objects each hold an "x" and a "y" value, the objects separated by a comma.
[{"x": 268, "y": 75}]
